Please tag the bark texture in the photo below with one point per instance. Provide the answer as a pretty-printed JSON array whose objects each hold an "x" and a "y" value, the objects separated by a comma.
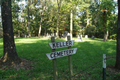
[
  {"x": 28, "y": 20},
  {"x": 9, "y": 54},
  {"x": 59, "y": 6},
  {"x": 104, "y": 25},
  {"x": 71, "y": 23},
  {"x": 117, "y": 65}
]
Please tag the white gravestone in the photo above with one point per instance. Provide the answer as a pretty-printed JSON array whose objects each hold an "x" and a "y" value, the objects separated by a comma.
[
  {"x": 79, "y": 38},
  {"x": 86, "y": 36}
]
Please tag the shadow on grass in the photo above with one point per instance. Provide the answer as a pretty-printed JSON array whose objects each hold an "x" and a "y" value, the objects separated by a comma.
[{"x": 88, "y": 53}]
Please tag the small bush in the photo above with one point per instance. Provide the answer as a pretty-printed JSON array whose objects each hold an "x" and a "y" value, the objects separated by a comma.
[
  {"x": 90, "y": 30},
  {"x": 114, "y": 36}
]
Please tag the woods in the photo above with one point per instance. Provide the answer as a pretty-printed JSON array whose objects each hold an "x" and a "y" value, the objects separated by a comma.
[{"x": 94, "y": 18}]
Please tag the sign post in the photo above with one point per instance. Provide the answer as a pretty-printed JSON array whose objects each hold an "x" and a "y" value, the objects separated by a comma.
[
  {"x": 54, "y": 62},
  {"x": 70, "y": 61},
  {"x": 53, "y": 55},
  {"x": 104, "y": 66}
]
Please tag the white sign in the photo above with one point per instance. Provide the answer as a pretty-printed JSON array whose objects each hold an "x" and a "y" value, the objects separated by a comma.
[
  {"x": 58, "y": 54},
  {"x": 55, "y": 45}
]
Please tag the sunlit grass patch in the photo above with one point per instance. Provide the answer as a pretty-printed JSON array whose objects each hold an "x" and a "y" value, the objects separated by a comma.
[{"x": 88, "y": 53}]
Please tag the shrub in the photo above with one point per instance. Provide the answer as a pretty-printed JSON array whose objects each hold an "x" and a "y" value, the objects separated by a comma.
[
  {"x": 114, "y": 36},
  {"x": 90, "y": 30}
]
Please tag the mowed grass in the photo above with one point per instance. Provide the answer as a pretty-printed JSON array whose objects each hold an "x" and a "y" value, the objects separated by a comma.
[{"x": 87, "y": 61}]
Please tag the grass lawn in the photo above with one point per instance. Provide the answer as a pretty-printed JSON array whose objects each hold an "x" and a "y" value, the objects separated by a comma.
[{"x": 89, "y": 52}]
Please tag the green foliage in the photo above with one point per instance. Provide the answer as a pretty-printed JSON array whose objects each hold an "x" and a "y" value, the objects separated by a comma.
[
  {"x": 82, "y": 12},
  {"x": 107, "y": 5},
  {"x": 90, "y": 30},
  {"x": 114, "y": 36}
]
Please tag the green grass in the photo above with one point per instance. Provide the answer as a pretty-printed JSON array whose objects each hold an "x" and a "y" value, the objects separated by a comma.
[{"x": 88, "y": 53}]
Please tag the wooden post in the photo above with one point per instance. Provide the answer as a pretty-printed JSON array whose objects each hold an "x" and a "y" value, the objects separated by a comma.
[
  {"x": 70, "y": 62},
  {"x": 104, "y": 66},
  {"x": 55, "y": 74}
]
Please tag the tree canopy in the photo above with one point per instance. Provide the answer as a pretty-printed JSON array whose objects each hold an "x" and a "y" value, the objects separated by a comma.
[{"x": 53, "y": 16}]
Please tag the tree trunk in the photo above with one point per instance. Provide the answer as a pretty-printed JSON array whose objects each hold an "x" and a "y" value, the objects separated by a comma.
[
  {"x": 10, "y": 54},
  {"x": 104, "y": 25},
  {"x": 28, "y": 20},
  {"x": 59, "y": 5},
  {"x": 45, "y": 32},
  {"x": 18, "y": 33},
  {"x": 25, "y": 29},
  {"x": 71, "y": 22},
  {"x": 117, "y": 65},
  {"x": 87, "y": 17},
  {"x": 41, "y": 20}
]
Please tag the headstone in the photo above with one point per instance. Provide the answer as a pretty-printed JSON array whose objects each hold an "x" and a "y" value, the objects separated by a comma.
[
  {"x": 93, "y": 37},
  {"x": 79, "y": 38},
  {"x": 15, "y": 36},
  {"x": 65, "y": 35},
  {"x": 68, "y": 34},
  {"x": 52, "y": 34},
  {"x": 48, "y": 35},
  {"x": 86, "y": 36}
]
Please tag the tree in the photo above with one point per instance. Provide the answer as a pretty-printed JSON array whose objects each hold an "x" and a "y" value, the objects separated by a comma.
[
  {"x": 15, "y": 15},
  {"x": 28, "y": 20},
  {"x": 10, "y": 53},
  {"x": 117, "y": 65},
  {"x": 73, "y": 3},
  {"x": 59, "y": 6},
  {"x": 71, "y": 21},
  {"x": 44, "y": 7},
  {"x": 106, "y": 7}
]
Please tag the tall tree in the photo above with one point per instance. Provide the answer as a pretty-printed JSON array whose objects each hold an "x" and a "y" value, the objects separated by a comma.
[
  {"x": 28, "y": 20},
  {"x": 10, "y": 54},
  {"x": 117, "y": 65},
  {"x": 59, "y": 6},
  {"x": 106, "y": 7},
  {"x": 71, "y": 20},
  {"x": 44, "y": 6}
]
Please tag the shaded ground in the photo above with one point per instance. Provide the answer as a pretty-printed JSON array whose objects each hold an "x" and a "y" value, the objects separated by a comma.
[
  {"x": 112, "y": 71},
  {"x": 25, "y": 65}
]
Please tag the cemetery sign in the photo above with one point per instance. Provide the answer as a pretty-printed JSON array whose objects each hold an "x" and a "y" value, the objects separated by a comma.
[
  {"x": 55, "y": 45},
  {"x": 58, "y": 54},
  {"x": 53, "y": 55}
]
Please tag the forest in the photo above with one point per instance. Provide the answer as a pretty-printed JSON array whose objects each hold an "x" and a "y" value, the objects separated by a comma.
[{"x": 43, "y": 17}]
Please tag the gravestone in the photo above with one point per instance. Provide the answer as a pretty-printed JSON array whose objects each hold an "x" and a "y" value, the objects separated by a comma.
[
  {"x": 52, "y": 34},
  {"x": 15, "y": 36},
  {"x": 48, "y": 35},
  {"x": 65, "y": 35},
  {"x": 86, "y": 36},
  {"x": 79, "y": 38},
  {"x": 93, "y": 37}
]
